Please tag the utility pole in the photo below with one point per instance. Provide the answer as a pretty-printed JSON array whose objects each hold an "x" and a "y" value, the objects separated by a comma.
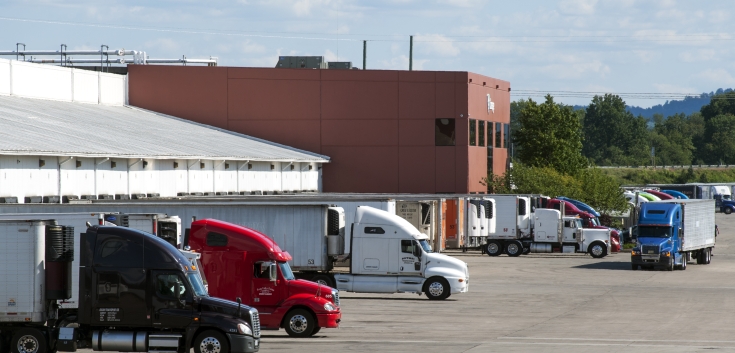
[
  {"x": 364, "y": 54},
  {"x": 410, "y": 55}
]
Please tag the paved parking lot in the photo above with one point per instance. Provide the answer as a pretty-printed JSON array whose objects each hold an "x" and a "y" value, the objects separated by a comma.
[{"x": 549, "y": 303}]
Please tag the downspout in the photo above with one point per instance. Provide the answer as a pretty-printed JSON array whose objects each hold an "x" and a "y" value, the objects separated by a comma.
[
  {"x": 238, "y": 175},
  {"x": 58, "y": 170},
  {"x": 129, "y": 166}
]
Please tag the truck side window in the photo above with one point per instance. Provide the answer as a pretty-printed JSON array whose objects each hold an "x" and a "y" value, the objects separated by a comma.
[
  {"x": 167, "y": 285},
  {"x": 261, "y": 270},
  {"x": 108, "y": 287},
  {"x": 113, "y": 251},
  {"x": 407, "y": 246},
  {"x": 374, "y": 230},
  {"x": 216, "y": 239}
]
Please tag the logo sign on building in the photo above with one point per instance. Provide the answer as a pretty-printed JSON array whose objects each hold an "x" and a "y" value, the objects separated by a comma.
[{"x": 490, "y": 104}]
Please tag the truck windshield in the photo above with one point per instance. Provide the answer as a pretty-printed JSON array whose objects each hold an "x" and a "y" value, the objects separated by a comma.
[
  {"x": 425, "y": 245},
  {"x": 196, "y": 284},
  {"x": 286, "y": 271},
  {"x": 654, "y": 231}
]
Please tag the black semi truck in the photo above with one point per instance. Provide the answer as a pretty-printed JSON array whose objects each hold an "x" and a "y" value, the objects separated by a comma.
[{"x": 138, "y": 293}]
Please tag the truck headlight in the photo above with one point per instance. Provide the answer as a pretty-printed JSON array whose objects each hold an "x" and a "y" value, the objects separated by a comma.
[
  {"x": 244, "y": 329},
  {"x": 634, "y": 252},
  {"x": 328, "y": 307},
  {"x": 666, "y": 253}
]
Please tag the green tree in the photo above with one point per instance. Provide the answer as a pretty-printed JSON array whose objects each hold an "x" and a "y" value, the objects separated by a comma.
[
  {"x": 720, "y": 137},
  {"x": 549, "y": 136},
  {"x": 672, "y": 140},
  {"x": 719, "y": 105},
  {"x": 613, "y": 136},
  {"x": 601, "y": 191}
]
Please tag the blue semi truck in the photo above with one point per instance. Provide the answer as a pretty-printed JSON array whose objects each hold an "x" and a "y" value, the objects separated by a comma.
[{"x": 672, "y": 232}]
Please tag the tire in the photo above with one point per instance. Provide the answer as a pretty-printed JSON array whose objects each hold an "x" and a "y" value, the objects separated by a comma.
[
  {"x": 708, "y": 256},
  {"x": 437, "y": 288},
  {"x": 316, "y": 330},
  {"x": 494, "y": 248},
  {"x": 28, "y": 340},
  {"x": 514, "y": 249},
  {"x": 299, "y": 323},
  {"x": 671, "y": 266},
  {"x": 597, "y": 249},
  {"x": 211, "y": 341},
  {"x": 727, "y": 210},
  {"x": 683, "y": 266},
  {"x": 634, "y": 267},
  {"x": 325, "y": 280}
]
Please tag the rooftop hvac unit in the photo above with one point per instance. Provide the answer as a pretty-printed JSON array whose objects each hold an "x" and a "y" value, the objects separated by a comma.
[
  {"x": 344, "y": 65},
  {"x": 301, "y": 62}
]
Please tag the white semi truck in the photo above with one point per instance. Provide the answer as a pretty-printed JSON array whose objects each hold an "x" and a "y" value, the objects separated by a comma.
[{"x": 521, "y": 229}]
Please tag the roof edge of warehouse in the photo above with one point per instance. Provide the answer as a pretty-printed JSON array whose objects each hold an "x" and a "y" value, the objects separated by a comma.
[{"x": 325, "y": 159}]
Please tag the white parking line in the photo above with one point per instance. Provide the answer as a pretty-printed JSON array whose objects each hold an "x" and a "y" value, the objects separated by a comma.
[{"x": 609, "y": 339}]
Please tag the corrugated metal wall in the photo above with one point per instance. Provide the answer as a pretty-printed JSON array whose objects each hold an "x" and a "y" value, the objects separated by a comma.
[{"x": 27, "y": 176}]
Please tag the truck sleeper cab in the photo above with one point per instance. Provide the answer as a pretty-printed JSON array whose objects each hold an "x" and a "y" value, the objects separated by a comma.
[
  {"x": 389, "y": 255},
  {"x": 242, "y": 262}
]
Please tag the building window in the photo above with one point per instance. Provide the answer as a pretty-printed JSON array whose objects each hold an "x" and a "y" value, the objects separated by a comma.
[
  {"x": 444, "y": 132},
  {"x": 473, "y": 132},
  {"x": 489, "y": 134},
  {"x": 506, "y": 134},
  {"x": 489, "y": 157},
  {"x": 498, "y": 135},
  {"x": 481, "y": 130}
]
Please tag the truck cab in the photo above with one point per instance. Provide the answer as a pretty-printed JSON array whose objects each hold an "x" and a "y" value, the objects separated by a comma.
[
  {"x": 589, "y": 220},
  {"x": 659, "y": 237},
  {"x": 389, "y": 255},
  {"x": 242, "y": 262}
]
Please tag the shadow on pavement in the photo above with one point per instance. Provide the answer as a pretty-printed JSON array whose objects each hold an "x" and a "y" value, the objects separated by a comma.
[{"x": 624, "y": 266}]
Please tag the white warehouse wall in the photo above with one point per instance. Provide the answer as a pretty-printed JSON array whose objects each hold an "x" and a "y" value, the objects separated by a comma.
[
  {"x": 41, "y": 81},
  {"x": 27, "y": 176}
]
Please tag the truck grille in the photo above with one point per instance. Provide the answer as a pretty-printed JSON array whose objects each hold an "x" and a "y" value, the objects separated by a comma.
[
  {"x": 649, "y": 250},
  {"x": 255, "y": 322}
]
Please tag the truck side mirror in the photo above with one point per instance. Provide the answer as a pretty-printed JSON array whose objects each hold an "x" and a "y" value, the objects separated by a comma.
[{"x": 272, "y": 273}]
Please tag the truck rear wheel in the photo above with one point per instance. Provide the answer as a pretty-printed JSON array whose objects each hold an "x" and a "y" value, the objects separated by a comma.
[
  {"x": 514, "y": 249},
  {"x": 211, "y": 341},
  {"x": 28, "y": 340},
  {"x": 324, "y": 280},
  {"x": 728, "y": 210},
  {"x": 597, "y": 249},
  {"x": 494, "y": 248},
  {"x": 708, "y": 256},
  {"x": 299, "y": 323},
  {"x": 437, "y": 288}
]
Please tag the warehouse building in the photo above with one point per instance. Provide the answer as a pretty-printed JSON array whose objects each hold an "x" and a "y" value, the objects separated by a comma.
[
  {"x": 385, "y": 131},
  {"x": 68, "y": 134}
]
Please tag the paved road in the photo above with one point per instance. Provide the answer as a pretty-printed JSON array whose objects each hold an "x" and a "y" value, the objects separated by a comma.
[{"x": 549, "y": 303}]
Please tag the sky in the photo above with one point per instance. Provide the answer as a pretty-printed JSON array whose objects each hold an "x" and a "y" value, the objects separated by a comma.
[{"x": 646, "y": 50}]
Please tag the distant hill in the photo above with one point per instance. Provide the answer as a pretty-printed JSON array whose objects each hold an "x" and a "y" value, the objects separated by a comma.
[{"x": 687, "y": 106}]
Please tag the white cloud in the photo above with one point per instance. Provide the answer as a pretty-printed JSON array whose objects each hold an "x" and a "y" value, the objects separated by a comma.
[
  {"x": 578, "y": 7},
  {"x": 401, "y": 63},
  {"x": 435, "y": 44},
  {"x": 463, "y": 3},
  {"x": 574, "y": 67},
  {"x": 719, "y": 77},
  {"x": 669, "y": 88},
  {"x": 698, "y": 55}
]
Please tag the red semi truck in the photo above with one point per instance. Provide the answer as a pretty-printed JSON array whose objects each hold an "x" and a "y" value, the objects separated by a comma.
[
  {"x": 242, "y": 262},
  {"x": 588, "y": 221}
]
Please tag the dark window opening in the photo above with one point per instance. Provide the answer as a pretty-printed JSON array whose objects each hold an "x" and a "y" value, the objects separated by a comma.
[
  {"x": 407, "y": 246},
  {"x": 473, "y": 132},
  {"x": 262, "y": 270},
  {"x": 521, "y": 207},
  {"x": 489, "y": 134},
  {"x": 216, "y": 239},
  {"x": 489, "y": 157},
  {"x": 444, "y": 132},
  {"x": 506, "y": 135},
  {"x": 481, "y": 130},
  {"x": 374, "y": 230},
  {"x": 498, "y": 135},
  {"x": 167, "y": 286}
]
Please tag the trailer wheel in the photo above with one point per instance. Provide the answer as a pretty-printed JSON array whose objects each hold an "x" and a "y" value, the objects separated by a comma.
[
  {"x": 598, "y": 250},
  {"x": 299, "y": 323},
  {"x": 324, "y": 280},
  {"x": 708, "y": 256},
  {"x": 28, "y": 340},
  {"x": 211, "y": 341},
  {"x": 514, "y": 249},
  {"x": 437, "y": 288},
  {"x": 634, "y": 267},
  {"x": 494, "y": 248}
]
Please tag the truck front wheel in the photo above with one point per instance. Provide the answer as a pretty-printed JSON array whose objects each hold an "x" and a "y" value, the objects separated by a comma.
[
  {"x": 28, "y": 340},
  {"x": 437, "y": 288},
  {"x": 494, "y": 248},
  {"x": 728, "y": 210},
  {"x": 598, "y": 250},
  {"x": 299, "y": 323},
  {"x": 211, "y": 341}
]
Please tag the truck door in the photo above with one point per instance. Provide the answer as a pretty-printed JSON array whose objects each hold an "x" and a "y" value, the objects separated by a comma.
[
  {"x": 266, "y": 294},
  {"x": 409, "y": 263},
  {"x": 171, "y": 300}
]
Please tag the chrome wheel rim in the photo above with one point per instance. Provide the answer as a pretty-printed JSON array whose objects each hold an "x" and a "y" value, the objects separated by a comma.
[
  {"x": 492, "y": 248},
  {"x": 28, "y": 344},
  {"x": 298, "y": 323},
  {"x": 210, "y": 345},
  {"x": 322, "y": 282},
  {"x": 512, "y": 248},
  {"x": 597, "y": 250},
  {"x": 436, "y": 289}
]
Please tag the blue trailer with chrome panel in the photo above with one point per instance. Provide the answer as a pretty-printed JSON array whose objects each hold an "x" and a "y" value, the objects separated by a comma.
[{"x": 670, "y": 233}]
